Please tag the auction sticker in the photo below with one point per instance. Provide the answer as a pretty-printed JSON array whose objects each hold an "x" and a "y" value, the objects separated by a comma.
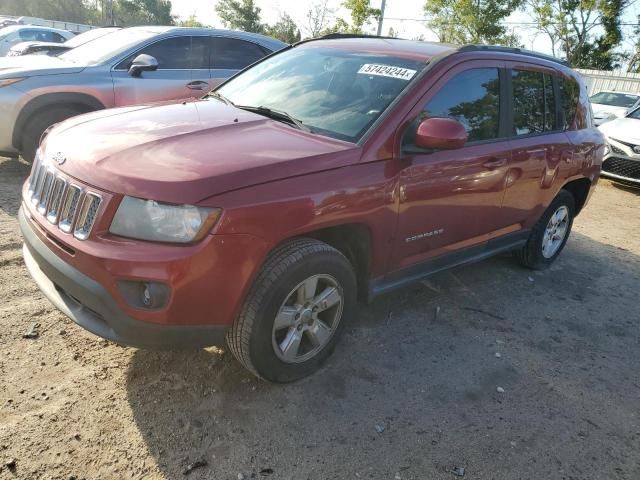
[{"x": 387, "y": 71}]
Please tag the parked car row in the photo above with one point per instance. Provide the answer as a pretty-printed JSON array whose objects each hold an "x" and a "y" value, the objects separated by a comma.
[
  {"x": 257, "y": 214},
  {"x": 608, "y": 106},
  {"x": 617, "y": 114},
  {"x": 15, "y": 34},
  {"x": 55, "y": 48},
  {"x": 127, "y": 67}
]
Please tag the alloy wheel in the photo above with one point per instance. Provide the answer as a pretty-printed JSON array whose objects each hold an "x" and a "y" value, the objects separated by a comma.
[
  {"x": 555, "y": 232},
  {"x": 307, "y": 319}
]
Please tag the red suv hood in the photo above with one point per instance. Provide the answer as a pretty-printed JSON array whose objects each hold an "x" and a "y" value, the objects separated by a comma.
[{"x": 186, "y": 152}]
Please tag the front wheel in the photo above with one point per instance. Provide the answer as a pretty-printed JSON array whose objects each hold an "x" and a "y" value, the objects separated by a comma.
[
  {"x": 295, "y": 311},
  {"x": 35, "y": 127},
  {"x": 549, "y": 236}
]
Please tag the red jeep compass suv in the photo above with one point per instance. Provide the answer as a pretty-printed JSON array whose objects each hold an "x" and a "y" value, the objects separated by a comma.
[{"x": 335, "y": 169}]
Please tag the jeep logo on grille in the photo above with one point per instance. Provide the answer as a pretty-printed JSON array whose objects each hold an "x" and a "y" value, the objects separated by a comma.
[{"x": 59, "y": 158}]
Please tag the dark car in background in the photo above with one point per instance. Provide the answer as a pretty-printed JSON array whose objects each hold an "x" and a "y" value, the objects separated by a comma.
[
  {"x": 54, "y": 49},
  {"x": 132, "y": 66}
]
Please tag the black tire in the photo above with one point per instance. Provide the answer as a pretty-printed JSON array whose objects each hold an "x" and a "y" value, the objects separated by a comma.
[
  {"x": 250, "y": 336},
  {"x": 531, "y": 255},
  {"x": 36, "y": 126}
]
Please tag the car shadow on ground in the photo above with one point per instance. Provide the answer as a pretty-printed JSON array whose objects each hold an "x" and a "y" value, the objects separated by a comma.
[
  {"x": 13, "y": 173},
  {"x": 631, "y": 188},
  {"x": 411, "y": 391}
]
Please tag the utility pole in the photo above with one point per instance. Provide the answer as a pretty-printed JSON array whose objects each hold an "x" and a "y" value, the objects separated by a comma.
[{"x": 381, "y": 19}]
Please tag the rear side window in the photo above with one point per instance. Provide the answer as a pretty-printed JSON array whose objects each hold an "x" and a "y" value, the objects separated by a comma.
[
  {"x": 30, "y": 35},
  {"x": 471, "y": 97},
  {"x": 175, "y": 53},
  {"x": 569, "y": 97},
  {"x": 234, "y": 54},
  {"x": 534, "y": 107}
]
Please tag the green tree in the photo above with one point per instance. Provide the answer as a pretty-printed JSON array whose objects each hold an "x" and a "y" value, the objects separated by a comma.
[
  {"x": 76, "y": 11},
  {"x": 143, "y": 12},
  {"x": 634, "y": 60},
  {"x": 240, "y": 15},
  {"x": 471, "y": 21},
  {"x": 585, "y": 32},
  {"x": 285, "y": 29},
  {"x": 361, "y": 14},
  {"x": 192, "y": 21},
  {"x": 318, "y": 18}
]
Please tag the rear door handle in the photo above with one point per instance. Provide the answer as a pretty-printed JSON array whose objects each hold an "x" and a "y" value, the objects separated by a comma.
[
  {"x": 197, "y": 85},
  {"x": 494, "y": 163}
]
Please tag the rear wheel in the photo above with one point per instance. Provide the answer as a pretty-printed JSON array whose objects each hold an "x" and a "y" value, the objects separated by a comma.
[
  {"x": 36, "y": 126},
  {"x": 295, "y": 311},
  {"x": 549, "y": 236}
]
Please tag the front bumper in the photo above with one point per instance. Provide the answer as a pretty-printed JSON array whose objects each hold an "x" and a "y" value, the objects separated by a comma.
[
  {"x": 91, "y": 306},
  {"x": 621, "y": 163}
]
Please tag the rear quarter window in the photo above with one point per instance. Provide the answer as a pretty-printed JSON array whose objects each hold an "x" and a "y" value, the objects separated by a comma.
[
  {"x": 234, "y": 54},
  {"x": 569, "y": 101}
]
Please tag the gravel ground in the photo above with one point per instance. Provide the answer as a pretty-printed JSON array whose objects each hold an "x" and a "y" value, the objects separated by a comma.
[{"x": 411, "y": 392}]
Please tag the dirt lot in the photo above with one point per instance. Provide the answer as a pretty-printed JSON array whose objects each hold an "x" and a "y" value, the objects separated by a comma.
[{"x": 408, "y": 395}]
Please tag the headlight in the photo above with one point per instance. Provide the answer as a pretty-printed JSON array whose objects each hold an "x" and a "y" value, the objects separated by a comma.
[
  {"x": 607, "y": 149},
  {"x": 162, "y": 222},
  {"x": 10, "y": 81}
]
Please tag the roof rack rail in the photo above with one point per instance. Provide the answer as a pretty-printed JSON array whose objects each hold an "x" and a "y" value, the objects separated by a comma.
[{"x": 522, "y": 51}]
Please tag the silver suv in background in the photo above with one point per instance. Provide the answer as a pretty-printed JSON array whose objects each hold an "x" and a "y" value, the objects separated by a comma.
[{"x": 132, "y": 66}]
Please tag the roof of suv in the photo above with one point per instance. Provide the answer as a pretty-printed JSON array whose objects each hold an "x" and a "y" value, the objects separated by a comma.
[
  {"x": 414, "y": 49},
  {"x": 263, "y": 39},
  {"x": 419, "y": 50}
]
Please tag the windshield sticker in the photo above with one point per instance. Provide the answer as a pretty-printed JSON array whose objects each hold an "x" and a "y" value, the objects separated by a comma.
[{"x": 387, "y": 71}]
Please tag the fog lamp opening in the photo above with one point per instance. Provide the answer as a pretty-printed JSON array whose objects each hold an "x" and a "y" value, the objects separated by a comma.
[{"x": 146, "y": 295}]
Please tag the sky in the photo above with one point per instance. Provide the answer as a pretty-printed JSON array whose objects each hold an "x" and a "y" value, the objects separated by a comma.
[{"x": 401, "y": 15}]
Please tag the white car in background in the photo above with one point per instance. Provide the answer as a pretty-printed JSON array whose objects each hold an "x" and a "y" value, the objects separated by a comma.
[
  {"x": 608, "y": 106},
  {"x": 622, "y": 153},
  {"x": 13, "y": 34}
]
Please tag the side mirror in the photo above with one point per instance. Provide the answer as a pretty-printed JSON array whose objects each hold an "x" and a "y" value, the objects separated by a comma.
[
  {"x": 441, "y": 134},
  {"x": 143, "y": 63}
]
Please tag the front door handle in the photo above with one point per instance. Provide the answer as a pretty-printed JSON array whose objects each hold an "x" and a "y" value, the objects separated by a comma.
[
  {"x": 197, "y": 85},
  {"x": 494, "y": 163}
]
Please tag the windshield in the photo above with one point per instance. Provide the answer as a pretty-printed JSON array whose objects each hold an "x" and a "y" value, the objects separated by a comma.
[
  {"x": 107, "y": 47},
  {"x": 333, "y": 92},
  {"x": 6, "y": 31},
  {"x": 88, "y": 36},
  {"x": 635, "y": 114},
  {"x": 615, "y": 99}
]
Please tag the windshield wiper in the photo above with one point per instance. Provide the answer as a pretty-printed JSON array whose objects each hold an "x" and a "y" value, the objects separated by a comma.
[
  {"x": 276, "y": 115},
  {"x": 220, "y": 97}
]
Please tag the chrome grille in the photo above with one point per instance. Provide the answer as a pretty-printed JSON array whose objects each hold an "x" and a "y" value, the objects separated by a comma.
[
  {"x": 45, "y": 192},
  {"x": 56, "y": 198},
  {"x": 69, "y": 208},
  {"x": 61, "y": 202},
  {"x": 87, "y": 216}
]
